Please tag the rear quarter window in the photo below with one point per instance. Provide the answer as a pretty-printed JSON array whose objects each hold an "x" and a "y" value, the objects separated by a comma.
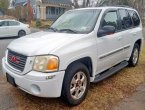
[{"x": 135, "y": 17}]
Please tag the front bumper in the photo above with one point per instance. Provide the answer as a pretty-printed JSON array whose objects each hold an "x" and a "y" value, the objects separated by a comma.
[{"x": 37, "y": 83}]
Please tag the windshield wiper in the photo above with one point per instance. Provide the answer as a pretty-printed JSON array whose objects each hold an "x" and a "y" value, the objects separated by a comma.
[
  {"x": 68, "y": 30},
  {"x": 54, "y": 29}
]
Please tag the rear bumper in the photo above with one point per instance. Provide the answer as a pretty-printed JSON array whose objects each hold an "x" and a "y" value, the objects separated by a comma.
[
  {"x": 36, "y": 83},
  {"x": 28, "y": 31}
]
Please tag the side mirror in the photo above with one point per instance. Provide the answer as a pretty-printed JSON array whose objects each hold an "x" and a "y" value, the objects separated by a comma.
[{"x": 106, "y": 30}]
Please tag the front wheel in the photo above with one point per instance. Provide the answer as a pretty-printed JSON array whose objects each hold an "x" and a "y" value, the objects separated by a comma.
[
  {"x": 76, "y": 84},
  {"x": 134, "y": 56}
]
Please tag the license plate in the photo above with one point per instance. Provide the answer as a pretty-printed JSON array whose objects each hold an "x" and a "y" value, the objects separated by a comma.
[{"x": 11, "y": 80}]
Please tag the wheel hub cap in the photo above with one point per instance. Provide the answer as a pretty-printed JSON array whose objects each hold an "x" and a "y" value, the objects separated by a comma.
[
  {"x": 135, "y": 56},
  {"x": 78, "y": 85}
]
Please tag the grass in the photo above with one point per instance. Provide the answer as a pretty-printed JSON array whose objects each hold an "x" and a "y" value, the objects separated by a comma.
[{"x": 101, "y": 96}]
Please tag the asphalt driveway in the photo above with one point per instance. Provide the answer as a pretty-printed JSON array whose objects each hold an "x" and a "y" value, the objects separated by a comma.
[{"x": 4, "y": 43}]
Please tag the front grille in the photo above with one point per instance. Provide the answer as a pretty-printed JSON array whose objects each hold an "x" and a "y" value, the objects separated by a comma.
[{"x": 16, "y": 60}]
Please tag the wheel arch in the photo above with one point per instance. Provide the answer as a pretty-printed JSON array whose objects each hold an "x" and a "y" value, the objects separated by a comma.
[
  {"x": 87, "y": 61},
  {"x": 139, "y": 42},
  {"x": 21, "y": 30}
]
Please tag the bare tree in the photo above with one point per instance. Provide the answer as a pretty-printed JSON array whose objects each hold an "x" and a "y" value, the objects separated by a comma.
[
  {"x": 100, "y": 2},
  {"x": 4, "y": 5},
  {"x": 85, "y": 3},
  {"x": 137, "y": 4},
  {"x": 75, "y": 4}
]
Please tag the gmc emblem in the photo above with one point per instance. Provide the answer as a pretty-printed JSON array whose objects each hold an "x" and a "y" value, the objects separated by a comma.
[{"x": 14, "y": 59}]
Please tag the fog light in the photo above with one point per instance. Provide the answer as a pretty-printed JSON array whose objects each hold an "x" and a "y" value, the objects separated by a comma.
[{"x": 35, "y": 89}]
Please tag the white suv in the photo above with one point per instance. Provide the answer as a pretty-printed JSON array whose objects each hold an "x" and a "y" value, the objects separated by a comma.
[{"x": 82, "y": 46}]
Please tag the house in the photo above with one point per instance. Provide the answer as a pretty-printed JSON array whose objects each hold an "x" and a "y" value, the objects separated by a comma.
[
  {"x": 52, "y": 9},
  {"x": 44, "y": 9}
]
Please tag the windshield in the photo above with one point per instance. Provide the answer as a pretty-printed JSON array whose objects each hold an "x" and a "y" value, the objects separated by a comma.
[{"x": 76, "y": 21}]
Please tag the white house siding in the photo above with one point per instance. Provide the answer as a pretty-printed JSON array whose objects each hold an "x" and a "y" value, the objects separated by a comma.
[{"x": 54, "y": 12}]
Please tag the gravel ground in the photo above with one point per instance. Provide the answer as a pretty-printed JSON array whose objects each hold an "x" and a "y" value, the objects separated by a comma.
[{"x": 102, "y": 96}]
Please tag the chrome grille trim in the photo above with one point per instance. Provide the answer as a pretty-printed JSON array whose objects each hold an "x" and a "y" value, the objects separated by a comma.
[{"x": 20, "y": 58}]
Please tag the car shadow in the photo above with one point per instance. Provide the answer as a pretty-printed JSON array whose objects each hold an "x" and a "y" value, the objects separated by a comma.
[{"x": 4, "y": 38}]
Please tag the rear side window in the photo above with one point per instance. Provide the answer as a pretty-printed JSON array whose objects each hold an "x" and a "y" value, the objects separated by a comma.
[
  {"x": 13, "y": 23},
  {"x": 126, "y": 21},
  {"x": 135, "y": 17}
]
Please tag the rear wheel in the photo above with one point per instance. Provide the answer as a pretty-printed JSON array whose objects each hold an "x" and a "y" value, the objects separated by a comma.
[
  {"x": 135, "y": 56},
  {"x": 21, "y": 33},
  {"x": 76, "y": 84}
]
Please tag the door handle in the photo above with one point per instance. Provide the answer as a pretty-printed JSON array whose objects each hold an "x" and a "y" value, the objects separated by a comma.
[{"x": 135, "y": 34}]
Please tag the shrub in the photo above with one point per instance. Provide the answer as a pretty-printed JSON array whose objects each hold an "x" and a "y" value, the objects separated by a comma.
[{"x": 38, "y": 23}]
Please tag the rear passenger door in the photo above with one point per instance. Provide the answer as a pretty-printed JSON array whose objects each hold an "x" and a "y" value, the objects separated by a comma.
[
  {"x": 127, "y": 32},
  {"x": 137, "y": 27},
  {"x": 14, "y": 28}
]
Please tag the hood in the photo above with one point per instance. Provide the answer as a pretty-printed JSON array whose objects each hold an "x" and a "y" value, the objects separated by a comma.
[{"x": 41, "y": 43}]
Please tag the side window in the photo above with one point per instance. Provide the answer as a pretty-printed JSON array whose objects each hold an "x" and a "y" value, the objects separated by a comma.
[
  {"x": 3, "y": 23},
  {"x": 126, "y": 21},
  {"x": 135, "y": 17},
  {"x": 13, "y": 23},
  {"x": 111, "y": 19}
]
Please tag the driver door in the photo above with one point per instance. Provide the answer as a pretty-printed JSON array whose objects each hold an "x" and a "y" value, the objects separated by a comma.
[{"x": 110, "y": 50}]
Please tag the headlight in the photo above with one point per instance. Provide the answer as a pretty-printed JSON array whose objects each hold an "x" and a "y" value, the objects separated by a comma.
[{"x": 46, "y": 63}]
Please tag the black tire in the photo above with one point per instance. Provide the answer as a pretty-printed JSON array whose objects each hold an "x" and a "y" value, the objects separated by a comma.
[
  {"x": 21, "y": 33},
  {"x": 69, "y": 75},
  {"x": 132, "y": 62}
]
